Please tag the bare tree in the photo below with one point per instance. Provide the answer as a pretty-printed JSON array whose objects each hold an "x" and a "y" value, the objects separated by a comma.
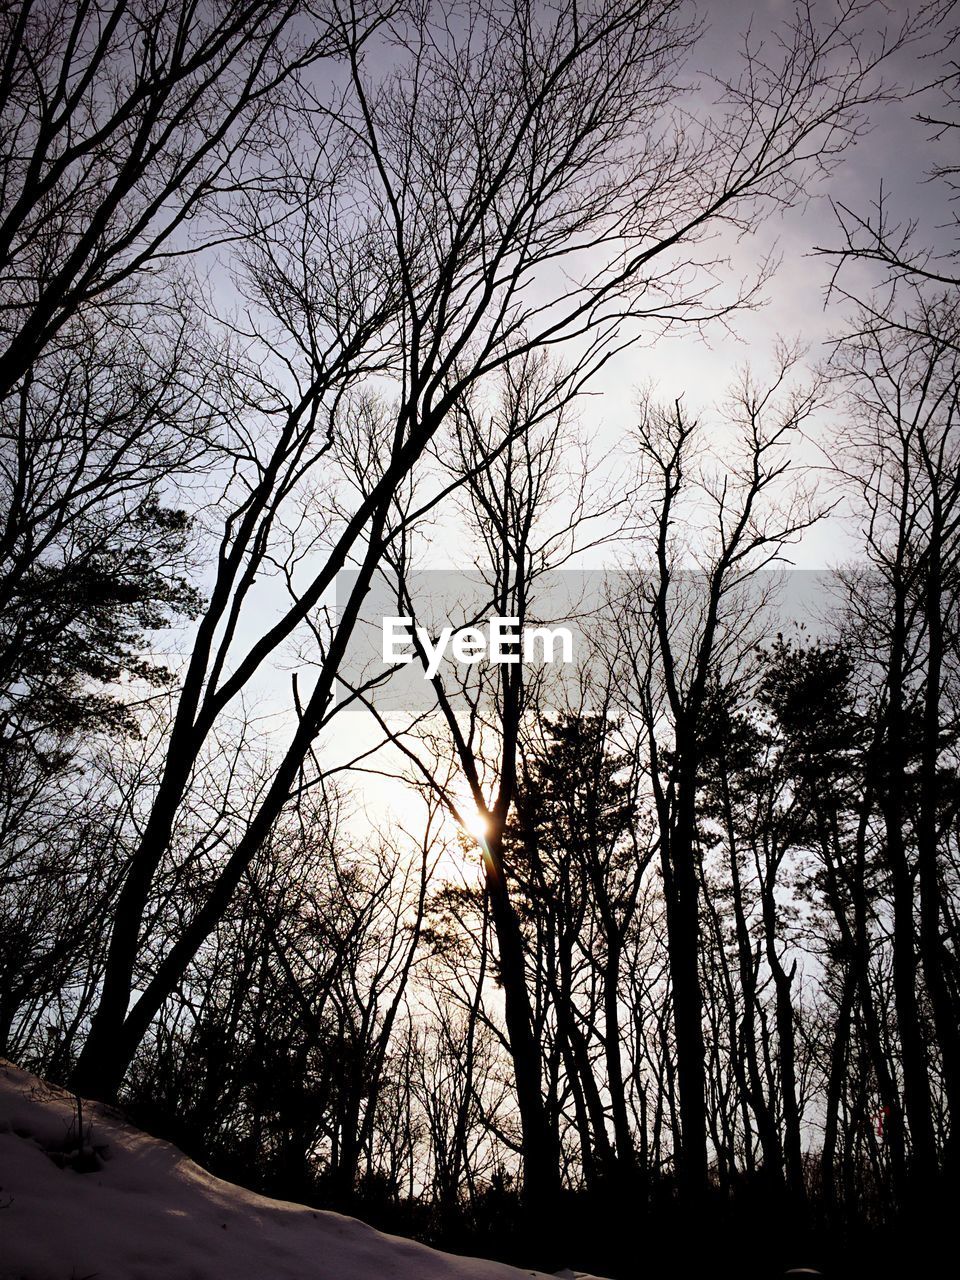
[
  {"x": 129, "y": 132},
  {"x": 510, "y": 465},
  {"x": 877, "y": 235},
  {"x": 421, "y": 218},
  {"x": 898, "y": 451},
  {"x": 125, "y": 128},
  {"x": 688, "y": 623}
]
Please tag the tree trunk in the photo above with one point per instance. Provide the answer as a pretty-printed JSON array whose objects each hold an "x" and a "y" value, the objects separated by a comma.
[
  {"x": 541, "y": 1165},
  {"x": 683, "y": 930}
]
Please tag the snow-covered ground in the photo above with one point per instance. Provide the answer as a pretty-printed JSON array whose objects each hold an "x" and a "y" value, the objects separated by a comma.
[{"x": 148, "y": 1213}]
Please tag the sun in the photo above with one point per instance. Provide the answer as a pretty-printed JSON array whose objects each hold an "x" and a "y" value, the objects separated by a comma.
[
  {"x": 468, "y": 818},
  {"x": 472, "y": 821}
]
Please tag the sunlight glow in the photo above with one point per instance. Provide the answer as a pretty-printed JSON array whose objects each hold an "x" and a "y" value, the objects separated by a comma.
[{"x": 473, "y": 822}]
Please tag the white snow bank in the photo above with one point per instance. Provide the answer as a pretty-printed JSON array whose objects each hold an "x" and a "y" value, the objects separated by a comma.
[{"x": 149, "y": 1213}]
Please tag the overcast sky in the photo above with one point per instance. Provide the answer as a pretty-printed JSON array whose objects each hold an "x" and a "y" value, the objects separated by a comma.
[{"x": 896, "y": 151}]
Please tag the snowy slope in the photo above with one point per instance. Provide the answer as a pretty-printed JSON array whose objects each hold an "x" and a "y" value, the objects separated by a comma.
[{"x": 149, "y": 1213}]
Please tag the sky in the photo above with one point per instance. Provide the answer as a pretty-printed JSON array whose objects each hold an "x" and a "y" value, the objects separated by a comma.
[
  {"x": 895, "y": 151},
  {"x": 699, "y": 366}
]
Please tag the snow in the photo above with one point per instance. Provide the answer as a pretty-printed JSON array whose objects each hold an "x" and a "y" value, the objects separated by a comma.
[{"x": 149, "y": 1213}]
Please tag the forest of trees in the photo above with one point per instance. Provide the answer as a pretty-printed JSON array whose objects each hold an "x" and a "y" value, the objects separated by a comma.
[{"x": 659, "y": 959}]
